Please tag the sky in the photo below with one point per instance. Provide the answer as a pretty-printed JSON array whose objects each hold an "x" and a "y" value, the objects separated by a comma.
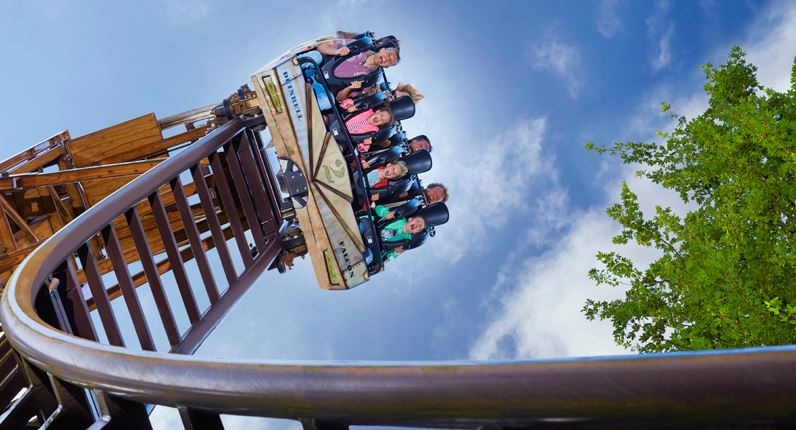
[{"x": 514, "y": 89}]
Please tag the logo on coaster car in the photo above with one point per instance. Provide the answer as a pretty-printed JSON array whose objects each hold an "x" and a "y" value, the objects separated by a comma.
[{"x": 291, "y": 92}]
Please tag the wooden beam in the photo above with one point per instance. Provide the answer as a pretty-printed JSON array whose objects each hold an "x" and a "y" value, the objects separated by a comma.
[
  {"x": 187, "y": 136},
  {"x": 31, "y": 152},
  {"x": 136, "y": 139},
  {"x": 6, "y": 234},
  {"x": 43, "y": 159},
  {"x": 63, "y": 213},
  {"x": 75, "y": 191},
  {"x": 9, "y": 261},
  {"x": 59, "y": 217},
  {"x": 107, "y": 171},
  {"x": 11, "y": 212}
]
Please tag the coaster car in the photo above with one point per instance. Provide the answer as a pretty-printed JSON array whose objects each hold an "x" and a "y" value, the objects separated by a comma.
[{"x": 321, "y": 172}]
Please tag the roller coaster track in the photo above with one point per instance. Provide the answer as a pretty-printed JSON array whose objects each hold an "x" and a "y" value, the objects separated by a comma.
[{"x": 66, "y": 363}]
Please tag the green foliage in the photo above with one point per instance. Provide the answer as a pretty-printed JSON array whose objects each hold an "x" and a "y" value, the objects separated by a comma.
[
  {"x": 726, "y": 276},
  {"x": 785, "y": 313}
]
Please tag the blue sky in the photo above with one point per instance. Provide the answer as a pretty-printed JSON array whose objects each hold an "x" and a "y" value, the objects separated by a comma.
[{"x": 514, "y": 90}]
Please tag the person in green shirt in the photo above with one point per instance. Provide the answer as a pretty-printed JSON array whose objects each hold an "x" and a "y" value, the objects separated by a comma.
[
  {"x": 396, "y": 230},
  {"x": 399, "y": 234}
]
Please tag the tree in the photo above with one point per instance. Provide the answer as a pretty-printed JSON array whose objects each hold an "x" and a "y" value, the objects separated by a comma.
[{"x": 726, "y": 276}]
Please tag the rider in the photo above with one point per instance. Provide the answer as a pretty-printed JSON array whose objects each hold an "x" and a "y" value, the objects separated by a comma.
[
  {"x": 417, "y": 162},
  {"x": 359, "y": 64},
  {"x": 404, "y": 233},
  {"x": 400, "y": 147},
  {"x": 366, "y": 127},
  {"x": 379, "y": 177}
]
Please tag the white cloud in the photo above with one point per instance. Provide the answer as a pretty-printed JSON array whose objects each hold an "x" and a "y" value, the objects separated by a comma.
[
  {"x": 537, "y": 302},
  {"x": 771, "y": 45},
  {"x": 540, "y": 316},
  {"x": 164, "y": 417},
  {"x": 608, "y": 23},
  {"x": 499, "y": 178},
  {"x": 185, "y": 12},
  {"x": 550, "y": 216},
  {"x": 660, "y": 30},
  {"x": 561, "y": 59}
]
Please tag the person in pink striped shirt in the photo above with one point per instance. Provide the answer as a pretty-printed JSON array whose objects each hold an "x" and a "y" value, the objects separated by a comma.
[{"x": 368, "y": 121}]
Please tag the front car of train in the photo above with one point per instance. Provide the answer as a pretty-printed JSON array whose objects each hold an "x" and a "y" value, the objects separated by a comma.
[{"x": 319, "y": 170}]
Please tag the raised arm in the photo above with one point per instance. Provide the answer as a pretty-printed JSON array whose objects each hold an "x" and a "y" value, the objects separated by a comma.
[
  {"x": 346, "y": 92},
  {"x": 334, "y": 47},
  {"x": 406, "y": 210}
]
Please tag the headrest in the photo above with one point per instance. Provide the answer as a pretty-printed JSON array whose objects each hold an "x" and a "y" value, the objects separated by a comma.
[
  {"x": 418, "y": 239},
  {"x": 370, "y": 101},
  {"x": 402, "y": 108},
  {"x": 386, "y": 156},
  {"x": 436, "y": 214},
  {"x": 365, "y": 34},
  {"x": 358, "y": 45},
  {"x": 418, "y": 161}
]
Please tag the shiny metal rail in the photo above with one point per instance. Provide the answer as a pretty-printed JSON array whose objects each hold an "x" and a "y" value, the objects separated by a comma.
[
  {"x": 739, "y": 389},
  {"x": 198, "y": 114}
]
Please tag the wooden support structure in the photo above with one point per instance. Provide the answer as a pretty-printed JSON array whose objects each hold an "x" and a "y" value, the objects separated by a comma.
[
  {"x": 46, "y": 186},
  {"x": 10, "y": 212},
  {"x": 42, "y": 160},
  {"x": 191, "y": 135},
  {"x": 29, "y": 154},
  {"x": 7, "y": 235},
  {"x": 105, "y": 171}
]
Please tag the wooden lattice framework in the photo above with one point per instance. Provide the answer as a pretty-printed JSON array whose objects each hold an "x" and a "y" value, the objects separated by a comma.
[{"x": 46, "y": 186}]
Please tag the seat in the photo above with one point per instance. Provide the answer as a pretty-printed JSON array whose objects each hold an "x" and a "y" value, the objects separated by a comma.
[
  {"x": 371, "y": 101},
  {"x": 381, "y": 157},
  {"x": 435, "y": 214},
  {"x": 393, "y": 188},
  {"x": 418, "y": 161},
  {"x": 407, "y": 209}
]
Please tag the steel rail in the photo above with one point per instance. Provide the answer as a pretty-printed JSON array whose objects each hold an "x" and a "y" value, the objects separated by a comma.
[
  {"x": 742, "y": 388},
  {"x": 198, "y": 114}
]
